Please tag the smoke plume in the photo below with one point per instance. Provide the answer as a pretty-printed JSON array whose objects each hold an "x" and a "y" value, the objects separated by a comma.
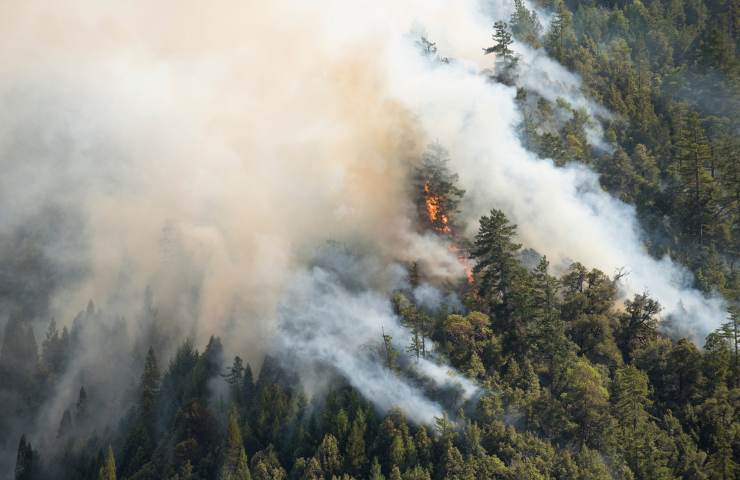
[{"x": 206, "y": 152}]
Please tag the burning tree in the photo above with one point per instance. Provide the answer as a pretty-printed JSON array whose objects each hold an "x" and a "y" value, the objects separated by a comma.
[
  {"x": 437, "y": 200},
  {"x": 438, "y": 196}
]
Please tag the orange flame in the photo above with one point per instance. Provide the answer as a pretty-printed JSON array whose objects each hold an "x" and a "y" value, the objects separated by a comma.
[
  {"x": 440, "y": 222},
  {"x": 464, "y": 261}
]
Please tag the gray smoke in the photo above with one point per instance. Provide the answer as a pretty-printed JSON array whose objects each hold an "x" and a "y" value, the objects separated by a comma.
[
  {"x": 202, "y": 152},
  {"x": 332, "y": 319}
]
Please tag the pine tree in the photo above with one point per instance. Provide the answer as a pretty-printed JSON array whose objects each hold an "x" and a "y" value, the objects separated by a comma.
[
  {"x": 444, "y": 428},
  {"x": 355, "y": 457},
  {"x": 453, "y": 464},
  {"x": 423, "y": 446},
  {"x": 108, "y": 469},
  {"x": 591, "y": 465},
  {"x": 416, "y": 473},
  {"x": 235, "y": 378},
  {"x": 586, "y": 399},
  {"x": 328, "y": 455},
  {"x": 437, "y": 193},
  {"x": 66, "y": 424},
  {"x": 698, "y": 195},
  {"x": 235, "y": 465},
  {"x": 503, "y": 40},
  {"x": 389, "y": 353},
  {"x": 638, "y": 325},
  {"x": 375, "y": 471},
  {"x": 397, "y": 449},
  {"x": 395, "y": 473},
  {"x": 266, "y": 465},
  {"x": 719, "y": 414},
  {"x": 631, "y": 402},
  {"x": 149, "y": 387},
  {"x": 81, "y": 406},
  {"x": 560, "y": 35},
  {"x": 141, "y": 441},
  {"x": 551, "y": 342},
  {"x": 525, "y": 25},
  {"x": 51, "y": 348},
  {"x": 495, "y": 255},
  {"x": 248, "y": 382},
  {"x": 25, "y": 462},
  {"x": 729, "y": 332},
  {"x": 416, "y": 321}
]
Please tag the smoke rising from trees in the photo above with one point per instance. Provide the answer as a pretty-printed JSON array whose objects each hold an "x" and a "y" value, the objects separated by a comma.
[{"x": 206, "y": 154}]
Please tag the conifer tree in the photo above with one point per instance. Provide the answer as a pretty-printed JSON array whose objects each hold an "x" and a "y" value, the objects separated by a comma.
[
  {"x": 586, "y": 399},
  {"x": 389, "y": 353},
  {"x": 24, "y": 464},
  {"x": 453, "y": 464},
  {"x": 329, "y": 456},
  {"x": 395, "y": 473},
  {"x": 65, "y": 425},
  {"x": 503, "y": 40},
  {"x": 355, "y": 456},
  {"x": 444, "y": 428},
  {"x": 423, "y": 446},
  {"x": 631, "y": 402},
  {"x": 235, "y": 378},
  {"x": 266, "y": 465},
  {"x": 52, "y": 348},
  {"x": 551, "y": 342},
  {"x": 639, "y": 323},
  {"x": 108, "y": 469},
  {"x": 437, "y": 194},
  {"x": 397, "y": 449},
  {"x": 560, "y": 34},
  {"x": 494, "y": 251},
  {"x": 149, "y": 387},
  {"x": 730, "y": 332},
  {"x": 248, "y": 384},
  {"x": 235, "y": 465},
  {"x": 375, "y": 471},
  {"x": 698, "y": 192},
  {"x": 525, "y": 25},
  {"x": 141, "y": 441},
  {"x": 81, "y": 406}
]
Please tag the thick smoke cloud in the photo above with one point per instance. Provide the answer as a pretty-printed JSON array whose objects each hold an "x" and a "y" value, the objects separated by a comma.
[
  {"x": 561, "y": 212},
  {"x": 203, "y": 152},
  {"x": 332, "y": 319}
]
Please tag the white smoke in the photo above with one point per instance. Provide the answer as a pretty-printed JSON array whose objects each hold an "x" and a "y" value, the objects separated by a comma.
[
  {"x": 326, "y": 326},
  {"x": 206, "y": 148},
  {"x": 561, "y": 212}
]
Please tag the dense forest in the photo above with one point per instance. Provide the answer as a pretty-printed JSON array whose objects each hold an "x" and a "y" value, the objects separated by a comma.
[{"x": 574, "y": 381}]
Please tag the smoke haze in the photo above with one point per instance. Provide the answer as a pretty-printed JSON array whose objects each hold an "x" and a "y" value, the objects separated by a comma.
[{"x": 206, "y": 153}]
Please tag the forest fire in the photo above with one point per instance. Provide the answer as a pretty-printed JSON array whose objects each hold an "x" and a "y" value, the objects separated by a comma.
[
  {"x": 440, "y": 222},
  {"x": 464, "y": 261}
]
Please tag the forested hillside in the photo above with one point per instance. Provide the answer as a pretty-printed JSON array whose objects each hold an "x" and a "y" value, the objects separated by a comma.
[
  {"x": 549, "y": 371},
  {"x": 669, "y": 73}
]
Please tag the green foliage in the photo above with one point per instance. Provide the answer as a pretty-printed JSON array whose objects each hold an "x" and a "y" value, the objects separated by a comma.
[
  {"x": 586, "y": 398},
  {"x": 573, "y": 385},
  {"x": 108, "y": 469},
  {"x": 503, "y": 40},
  {"x": 235, "y": 462},
  {"x": 356, "y": 453},
  {"x": 525, "y": 25},
  {"x": 495, "y": 252}
]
